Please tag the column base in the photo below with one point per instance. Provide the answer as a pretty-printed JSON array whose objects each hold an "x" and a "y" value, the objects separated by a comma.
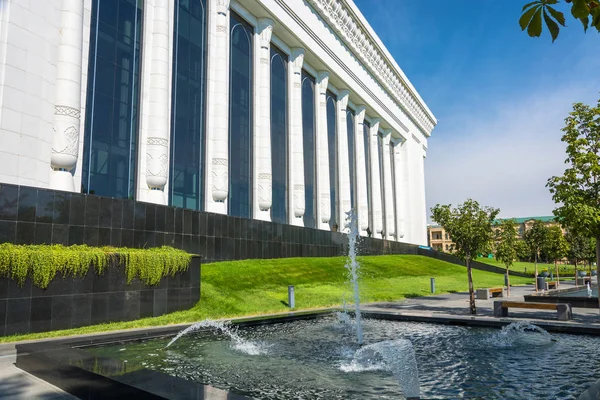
[
  {"x": 156, "y": 197},
  {"x": 216, "y": 207},
  {"x": 61, "y": 180},
  {"x": 298, "y": 221},
  {"x": 263, "y": 215}
]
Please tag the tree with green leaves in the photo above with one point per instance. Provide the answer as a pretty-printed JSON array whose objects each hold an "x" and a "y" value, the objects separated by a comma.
[
  {"x": 578, "y": 248},
  {"x": 506, "y": 246},
  {"x": 523, "y": 251},
  {"x": 470, "y": 228},
  {"x": 577, "y": 191},
  {"x": 535, "y": 237},
  {"x": 556, "y": 246},
  {"x": 586, "y": 11}
]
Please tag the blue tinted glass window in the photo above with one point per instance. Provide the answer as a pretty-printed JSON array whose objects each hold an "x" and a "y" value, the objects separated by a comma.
[
  {"x": 332, "y": 149},
  {"x": 351, "y": 163},
  {"x": 279, "y": 142},
  {"x": 240, "y": 119},
  {"x": 111, "y": 121},
  {"x": 188, "y": 105},
  {"x": 366, "y": 133},
  {"x": 308, "y": 136}
]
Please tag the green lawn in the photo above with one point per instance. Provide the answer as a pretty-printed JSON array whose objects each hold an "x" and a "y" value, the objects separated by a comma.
[
  {"x": 519, "y": 266},
  {"x": 250, "y": 287}
]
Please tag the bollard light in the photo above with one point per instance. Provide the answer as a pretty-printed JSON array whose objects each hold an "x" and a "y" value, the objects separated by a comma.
[
  {"x": 432, "y": 280},
  {"x": 291, "y": 300}
]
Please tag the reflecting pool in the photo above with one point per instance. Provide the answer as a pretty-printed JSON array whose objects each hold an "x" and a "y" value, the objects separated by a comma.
[{"x": 319, "y": 359}]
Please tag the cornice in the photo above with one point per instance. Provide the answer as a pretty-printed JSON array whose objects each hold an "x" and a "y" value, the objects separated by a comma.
[{"x": 351, "y": 30}]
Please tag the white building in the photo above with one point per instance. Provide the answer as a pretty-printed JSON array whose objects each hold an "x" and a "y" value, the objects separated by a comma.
[{"x": 288, "y": 111}]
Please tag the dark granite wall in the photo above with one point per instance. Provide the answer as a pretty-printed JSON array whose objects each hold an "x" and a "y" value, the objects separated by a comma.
[
  {"x": 41, "y": 216},
  {"x": 93, "y": 299}
]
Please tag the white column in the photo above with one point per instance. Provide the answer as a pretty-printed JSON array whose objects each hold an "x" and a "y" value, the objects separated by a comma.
[
  {"x": 376, "y": 203},
  {"x": 422, "y": 238},
  {"x": 343, "y": 162},
  {"x": 217, "y": 124},
  {"x": 323, "y": 211},
  {"x": 157, "y": 141},
  {"x": 296, "y": 142},
  {"x": 401, "y": 190},
  {"x": 390, "y": 230},
  {"x": 361, "y": 172},
  {"x": 67, "y": 109},
  {"x": 264, "y": 177}
]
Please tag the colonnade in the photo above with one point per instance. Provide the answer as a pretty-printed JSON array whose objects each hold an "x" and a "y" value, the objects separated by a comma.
[{"x": 383, "y": 208}]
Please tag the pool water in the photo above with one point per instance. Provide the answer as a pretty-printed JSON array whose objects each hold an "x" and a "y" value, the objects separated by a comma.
[{"x": 318, "y": 359}]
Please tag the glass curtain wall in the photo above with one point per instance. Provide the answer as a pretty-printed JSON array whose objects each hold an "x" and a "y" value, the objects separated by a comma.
[
  {"x": 366, "y": 133},
  {"x": 332, "y": 149},
  {"x": 308, "y": 135},
  {"x": 240, "y": 119},
  {"x": 111, "y": 121},
  {"x": 188, "y": 105},
  {"x": 279, "y": 136},
  {"x": 351, "y": 158}
]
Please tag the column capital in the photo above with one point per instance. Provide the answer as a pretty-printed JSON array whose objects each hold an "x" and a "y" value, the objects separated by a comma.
[
  {"x": 223, "y": 7},
  {"x": 359, "y": 114},
  {"x": 398, "y": 140},
  {"x": 323, "y": 81},
  {"x": 343, "y": 97},
  {"x": 265, "y": 30},
  {"x": 375, "y": 122},
  {"x": 297, "y": 59}
]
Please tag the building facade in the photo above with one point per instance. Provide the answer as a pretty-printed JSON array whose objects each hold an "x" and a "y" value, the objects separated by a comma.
[
  {"x": 439, "y": 240},
  {"x": 287, "y": 111}
]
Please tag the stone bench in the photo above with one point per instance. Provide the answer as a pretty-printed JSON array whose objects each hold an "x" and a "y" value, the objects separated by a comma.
[
  {"x": 563, "y": 309},
  {"x": 484, "y": 294}
]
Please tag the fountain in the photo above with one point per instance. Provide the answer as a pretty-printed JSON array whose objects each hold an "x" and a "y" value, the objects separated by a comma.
[{"x": 352, "y": 266}]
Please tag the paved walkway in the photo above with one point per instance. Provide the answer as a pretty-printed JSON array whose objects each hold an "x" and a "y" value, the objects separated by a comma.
[
  {"x": 19, "y": 385},
  {"x": 456, "y": 306}
]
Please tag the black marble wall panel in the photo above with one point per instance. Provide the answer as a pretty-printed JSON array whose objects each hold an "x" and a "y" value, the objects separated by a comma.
[
  {"x": 93, "y": 299},
  {"x": 30, "y": 215}
]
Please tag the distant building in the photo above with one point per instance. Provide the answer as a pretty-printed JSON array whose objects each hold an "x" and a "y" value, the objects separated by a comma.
[{"x": 438, "y": 238}]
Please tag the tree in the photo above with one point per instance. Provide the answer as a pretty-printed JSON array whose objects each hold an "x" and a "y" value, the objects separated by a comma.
[
  {"x": 556, "y": 246},
  {"x": 577, "y": 191},
  {"x": 470, "y": 227},
  {"x": 535, "y": 237},
  {"x": 586, "y": 11},
  {"x": 506, "y": 246},
  {"x": 578, "y": 251},
  {"x": 523, "y": 251}
]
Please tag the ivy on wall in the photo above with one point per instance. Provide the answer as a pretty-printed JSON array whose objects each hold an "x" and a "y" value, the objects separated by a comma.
[{"x": 43, "y": 262}]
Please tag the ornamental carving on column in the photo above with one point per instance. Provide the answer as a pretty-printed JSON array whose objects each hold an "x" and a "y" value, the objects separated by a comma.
[
  {"x": 157, "y": 162},
  {"x": 220, "y": 179},
  {"x": 343, "y": 100},
  {"x": 223, "y": 7},
  {"x": 323, "y": 82},
  {"x": 265, "y": 30},
  {"x": 297, "y": 60}
]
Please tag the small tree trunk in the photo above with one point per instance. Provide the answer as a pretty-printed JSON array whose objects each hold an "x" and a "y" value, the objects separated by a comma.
[
  {"x": 507, "y": 283},
  {"x": 536, "y": 272},
  {"x": 471, "y": 291},
  {"x": 556, "y": 269},
  {"x": 576, "y": 284},
  {"x": 598, "y": 266}
]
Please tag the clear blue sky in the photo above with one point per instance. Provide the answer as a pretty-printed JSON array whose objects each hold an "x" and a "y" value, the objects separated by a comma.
[{"x": 500, "y": 97}]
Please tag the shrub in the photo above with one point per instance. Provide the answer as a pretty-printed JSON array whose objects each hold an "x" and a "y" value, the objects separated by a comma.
[{"x": 43, "y": 262}]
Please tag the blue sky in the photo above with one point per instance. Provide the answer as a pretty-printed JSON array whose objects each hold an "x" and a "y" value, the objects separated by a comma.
[{"x": 500, "y": 97}]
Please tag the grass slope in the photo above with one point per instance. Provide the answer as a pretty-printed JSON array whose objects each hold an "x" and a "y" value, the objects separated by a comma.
[
  {"x": 250, "y": 287},
  {"x": 519, "y": 266}
]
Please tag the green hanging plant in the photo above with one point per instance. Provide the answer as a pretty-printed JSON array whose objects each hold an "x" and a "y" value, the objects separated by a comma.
[{"x": 43, "y": 262}]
